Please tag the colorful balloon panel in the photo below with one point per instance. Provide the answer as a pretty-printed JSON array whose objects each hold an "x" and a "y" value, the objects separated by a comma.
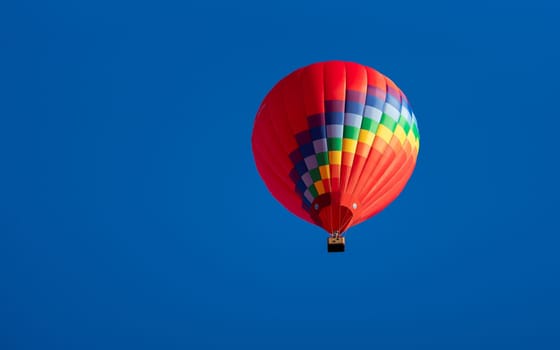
[{"x": 335, "y": 143}]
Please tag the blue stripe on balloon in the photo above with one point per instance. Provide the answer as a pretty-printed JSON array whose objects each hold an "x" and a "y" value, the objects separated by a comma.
[
  {"x": 307, "y": 150},
  {"x": 318, "y": 133},
  {"x": 375, "y": 101},
  {"x": 394, "y": 101},
  {"x": 354, "y": 107},
  {"x": 300, "y": 187},
  {"x": 301, "y": 168},
  {"x": 334, "y": 118}
]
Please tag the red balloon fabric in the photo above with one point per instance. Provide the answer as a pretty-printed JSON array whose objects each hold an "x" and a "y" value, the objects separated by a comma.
[{"x": 335, "y": 142}]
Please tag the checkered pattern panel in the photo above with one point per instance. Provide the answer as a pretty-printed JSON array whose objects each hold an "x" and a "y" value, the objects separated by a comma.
[{"x": 348, "y": 130}]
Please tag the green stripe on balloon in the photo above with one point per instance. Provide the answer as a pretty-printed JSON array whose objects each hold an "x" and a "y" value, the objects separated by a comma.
[
  {"x": 389, "y": 122},
  {"x": 334, "y": 144},
  {"x": 404, "y": 124},
  {"x": 415, "y": 130},
  {"x": 351, "y": 132},
  {"x": 322, "y": 158},
  {"x": 315, "y": 174},
  {"x": 369, "y": 124},
  {"x": 313, "y": 191}
]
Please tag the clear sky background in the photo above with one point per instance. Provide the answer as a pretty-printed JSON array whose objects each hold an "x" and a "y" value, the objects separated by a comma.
[{"x": 132, "y": 215}]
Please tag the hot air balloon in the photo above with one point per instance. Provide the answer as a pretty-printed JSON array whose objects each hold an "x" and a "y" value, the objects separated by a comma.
[{"x": 335, "y": 143}]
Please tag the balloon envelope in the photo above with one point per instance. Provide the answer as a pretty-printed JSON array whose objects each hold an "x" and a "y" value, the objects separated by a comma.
[{"x": 335, "y": 143}]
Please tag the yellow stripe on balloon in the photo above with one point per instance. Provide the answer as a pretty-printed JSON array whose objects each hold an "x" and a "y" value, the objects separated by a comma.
[
  {"x": 319, "y": 187},
  {"x": 384, "y": 133},
  {"x": 366, "y": 137},
  {"x": 349, "y": 145},
  {"x": 335, "y": 157},
  {"x": 325, "y": 172},
  {"x": 412, "y": 139},
  {"x": 400, "y": 134}
]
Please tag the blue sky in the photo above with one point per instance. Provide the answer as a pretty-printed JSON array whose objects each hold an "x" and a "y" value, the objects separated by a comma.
[{"x": 132, "y": 215}]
